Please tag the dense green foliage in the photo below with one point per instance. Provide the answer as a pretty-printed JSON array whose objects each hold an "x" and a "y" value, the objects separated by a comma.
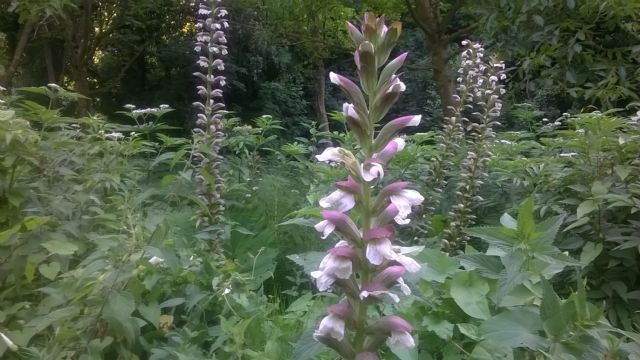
[{"x": 101, "y": 256}]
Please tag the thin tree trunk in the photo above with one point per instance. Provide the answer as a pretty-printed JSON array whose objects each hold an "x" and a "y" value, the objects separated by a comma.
[
  {"x": 79, "y": 57},
  {"x": 7, "y": 79},
  {"x": 48, "y": 57},
  {"x": 319, "y": 96},
  {"x": 442, "y": 73}
]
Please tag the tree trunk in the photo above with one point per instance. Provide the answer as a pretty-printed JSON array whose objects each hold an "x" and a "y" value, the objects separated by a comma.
[
  {"x": 80, "y": 59},
  {"x": 7, "y": 79},
  {"x": 319, "y": 105},
  {"x": 48, "y": 57},
  {"x": 442, "y": 73}
]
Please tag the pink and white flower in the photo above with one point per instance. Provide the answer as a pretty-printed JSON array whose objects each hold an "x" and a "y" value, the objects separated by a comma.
[
  {"x": 334, "y": 323},
  {"x": 337, "y": 264},
  {"x": 336, "y": 220},
  {"x": 343, "y": 199},
  {"x": 404, "y": 200},
  {"x": 398, "y": 331}
]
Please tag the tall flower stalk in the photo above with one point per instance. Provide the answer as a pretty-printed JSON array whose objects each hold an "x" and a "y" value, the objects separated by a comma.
[
  {"x": 211, "y": 47},
  {"x": 478, "y": 108},
  {"x": 364, "y": 264}
]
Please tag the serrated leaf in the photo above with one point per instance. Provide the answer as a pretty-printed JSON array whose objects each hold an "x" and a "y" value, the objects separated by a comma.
[
  {"x": 437, "y": 266},
  {"x": 486, "y": 265},
  {"x": 514, "y": 328},
  {"x": 438, "y": 325},
  {"x": 526, "y": 223},
  {"x": 469, "y": 291},
  {"x": 551, "y": 312},
  {"x": 309, "y": 260}
]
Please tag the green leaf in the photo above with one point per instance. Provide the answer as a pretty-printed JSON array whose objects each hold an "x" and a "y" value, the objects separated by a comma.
[
  {"x": 438, "y": 325},
  {"x": 571, "y": 4},
  {"x": 590, "y": 252},
  {"x": 6, "y": 234},
  {"x": 309, "y": 260},
  {"x": 598, "y": 188},
  {"x": 151, "y": 313},
  {"x": 404, "y": 353},
  {"x": 526, "y": 223},
  {"x": 172, "y": 302},
  {"x": 514, "y": 328},
  {"x": 486, "y": 265},
  {"x": 576, "y": 224},
  {"x": 495, "y": 235},
  {"x": 50, "y": 271},
  {"x": 622, "y": 171},
  {"x": 489, "y": 351},
  {"x": 308, "y": 348},
  {"x": 437, "y": 266},
  {"x": 551, "y": 312},
  {"x": 60, "y": 247},
  {"x": 469, "y": 330},
  {"x": 585, "y": 208},
  {"x": 34, "y": 222},
  {"x": 469, "y": 291}
]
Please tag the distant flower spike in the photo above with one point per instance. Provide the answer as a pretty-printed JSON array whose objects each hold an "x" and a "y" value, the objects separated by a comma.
[{"x": 208, "y": 134}]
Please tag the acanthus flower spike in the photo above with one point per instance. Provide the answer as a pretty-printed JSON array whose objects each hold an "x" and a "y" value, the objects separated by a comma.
[{"x": 366, "y": 266}]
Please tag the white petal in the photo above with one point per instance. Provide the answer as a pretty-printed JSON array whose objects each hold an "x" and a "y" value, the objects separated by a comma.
[
  {"x": 413, "y": 197},
  {"x": 372, "y": 172},
  {"x": 379, "y": 250},
  {"x": 401, "y": 338},
  {"x": 323, "y": 280},
  {"x": 330, "y": 154},
  {"x": 339, "y": 200},
  {"x": 342, "y": 268},
  {"x": 410, "y": 264},
  {"x": 331, "y": 326},
  {"x": 325, "y": 227},
  {"x": 403, "y": 287}
]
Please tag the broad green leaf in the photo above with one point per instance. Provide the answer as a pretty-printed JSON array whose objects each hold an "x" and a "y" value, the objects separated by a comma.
[
  {"x": 34, "y": 222},
  {"x": 439, "y": 325},
  {"x": 151, "y": 313},
  {"x": 50, "y": 271},
  {"x": 514, "y": 328},
  {"x": 500, "y": 236},
  {"x": 308, "y": 348},
  {"x": 172, "y": 302},
  {"x": 576, "y": 224},
  {"x": 622, "y": 171},
  {"x": 404, "y": 353},
  {"x": 598, "y": 188},
  {"x": 469, "y": 291},
  {"x": 487, "y": 350},
  {"x": 551, "y": 312},
  {"x": 549, "y": 229},
  {"x": 585, "y": 208},
  {"x": 590, "y": 252},
  {"x": 6, "y": 234},
  {"x": 309, "y": 260},
  {"x": 60, "y": 247},
  {"x": 42, "y": 322},
  {"x": 469, "y": 330},
  {"x": 437, "y": 266},
  {"x": 487, "y": 265}
]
